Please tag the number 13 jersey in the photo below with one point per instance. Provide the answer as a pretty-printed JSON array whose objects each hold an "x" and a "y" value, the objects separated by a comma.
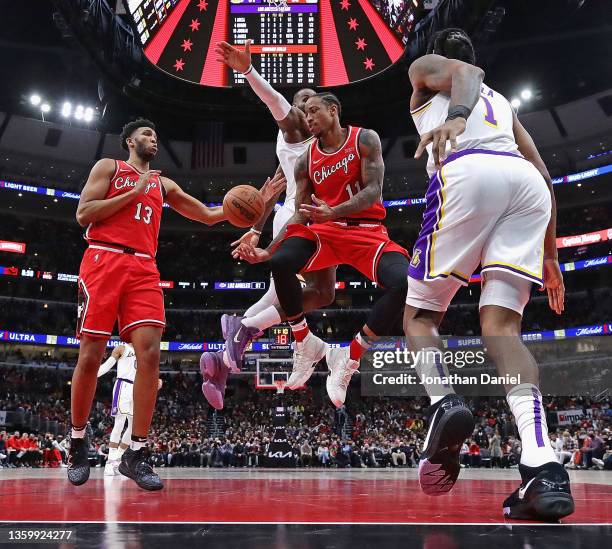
[
  {"x": 136, "y": 225},
  {"x": 489, "y": 126},
  {"x": 336, "y": 176}
]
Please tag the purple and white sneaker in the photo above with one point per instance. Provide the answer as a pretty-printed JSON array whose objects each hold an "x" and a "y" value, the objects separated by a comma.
[
  {"x": 237, "y": 339},
  {"x": 215, "y": 372}
]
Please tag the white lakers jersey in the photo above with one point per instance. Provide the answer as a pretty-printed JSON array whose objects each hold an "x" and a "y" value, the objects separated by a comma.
[
  {"x": 126, "y": 365},
  {"x": 287, "y": 154},
  {"x": 488, "y": 127}
]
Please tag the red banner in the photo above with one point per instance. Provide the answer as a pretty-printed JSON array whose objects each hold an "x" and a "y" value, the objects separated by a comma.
[
  {"x": 15, "y": 247},
  {"x": 584, "y": 239},
  {"x": 166, "y": 284}
]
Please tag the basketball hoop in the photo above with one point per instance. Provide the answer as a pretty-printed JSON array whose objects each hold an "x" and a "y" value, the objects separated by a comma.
[
  {"x": 280, "y": 386},
  {"x": 279, "y": 4}
]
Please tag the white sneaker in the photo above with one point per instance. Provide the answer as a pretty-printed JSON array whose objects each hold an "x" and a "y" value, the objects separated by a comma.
[
  {"x": 110, "y": 469},
  {"x": 305, "y": 355},
  {"x": 341, "y": 369}
]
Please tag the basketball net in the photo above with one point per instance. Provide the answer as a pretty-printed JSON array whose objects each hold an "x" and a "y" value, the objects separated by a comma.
[
  {"x": 280, "y": 386},
  {"x": 280, "y": 4}
]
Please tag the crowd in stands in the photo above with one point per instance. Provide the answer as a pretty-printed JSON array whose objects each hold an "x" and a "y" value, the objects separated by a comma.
[
  {"x": 37, "y": 316},
  {"x": 368, "y": 432}
]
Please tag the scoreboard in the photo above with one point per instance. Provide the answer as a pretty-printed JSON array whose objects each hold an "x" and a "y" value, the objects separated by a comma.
[
  {"x": 280, "y": 340},
  {"x": 295, "y": 43},
  {"x": 285, "y": 39}
]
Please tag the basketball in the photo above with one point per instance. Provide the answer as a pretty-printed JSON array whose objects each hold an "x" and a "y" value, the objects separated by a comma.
[{"x": 243, "y": 206}]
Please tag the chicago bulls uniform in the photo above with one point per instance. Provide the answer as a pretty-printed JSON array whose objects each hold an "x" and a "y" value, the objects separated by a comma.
[
  {"x": 359, "y": 241},
  {"x": 118, "y": 278}
]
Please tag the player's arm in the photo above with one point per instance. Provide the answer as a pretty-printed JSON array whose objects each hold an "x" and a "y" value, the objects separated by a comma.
[
  {"x": 93, "y": 206},
  {"x": 240, "y": 60},
  {"x": 271, "y": 191},
  {"x": 433, "y": 73},
  {"x": 303, "y": 193},
  {"x": 277, "y": 184},
  {"x": 553, "y": 279},
  {"x": 372, "y": 174},
  {"x": 191, "y": 207},
  {"x": 108, "y": 364}
]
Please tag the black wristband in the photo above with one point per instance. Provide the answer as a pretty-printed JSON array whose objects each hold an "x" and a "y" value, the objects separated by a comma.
[{"x": 458, "y": 111}]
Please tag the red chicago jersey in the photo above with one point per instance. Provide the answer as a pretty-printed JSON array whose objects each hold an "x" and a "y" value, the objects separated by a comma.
[
  {"x": 336, "y": 177},
  {"x": 136, "y": 225}
]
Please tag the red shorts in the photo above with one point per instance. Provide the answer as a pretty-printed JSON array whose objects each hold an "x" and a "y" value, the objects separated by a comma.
[
  {"x": 117, "y": 286},
  {"x": 338, "y": 244}
]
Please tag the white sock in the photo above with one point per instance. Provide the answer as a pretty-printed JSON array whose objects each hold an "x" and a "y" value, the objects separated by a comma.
[
  {"x": 430, "y": 368},
  {"x": 78, "y": 433},
  {"x": 137, "y": 445},
  {"x": 264, "y": 319},
  {"x": 525, "y": 402},
  {"x": 269, "y": 298},
  {"x": 113, "y": 454}
]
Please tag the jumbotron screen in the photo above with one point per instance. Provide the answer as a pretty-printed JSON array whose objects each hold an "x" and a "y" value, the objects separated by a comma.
[{"x": 295, "y": 42}]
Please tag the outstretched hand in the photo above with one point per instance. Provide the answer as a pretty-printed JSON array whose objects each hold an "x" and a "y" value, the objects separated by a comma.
[
  {"x": 553, "y": 284},
  {"x": 319, "y": 211},
  {"x": 233, "y": 57},
  {"x": 273, "y": 187}
]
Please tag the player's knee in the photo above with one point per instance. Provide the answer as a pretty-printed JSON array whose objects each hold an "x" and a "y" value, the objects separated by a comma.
[
  {"x": 326, "y": 296},
  {"x": 148, "y": 356},
  {"x": 89, "y": 359},
  {"x": 499, "y": 325},
  {"x": 280, "y": 264}
]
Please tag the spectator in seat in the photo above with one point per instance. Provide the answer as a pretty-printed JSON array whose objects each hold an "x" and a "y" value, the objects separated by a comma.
[
  {"x": 323, "y": 454},
  {"x": 240, "y": 459},
  {"x": 593, "y": 448},
  {"x": 474, "y": 454},
  {"x": 305, "y": 453},
  {"x": 397, "y": 456},
  {"x": 227, "y": 451}
]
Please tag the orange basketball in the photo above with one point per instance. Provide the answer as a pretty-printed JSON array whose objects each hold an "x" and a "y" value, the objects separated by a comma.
[{"x": 243, "y": 206}]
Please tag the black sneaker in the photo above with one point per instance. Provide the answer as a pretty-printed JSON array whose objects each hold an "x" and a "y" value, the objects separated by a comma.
[
  {"x": 544, "y": 494},
  {"x": 78, "y": 464},
  {"x": 135, "y": 465},
  {"x": 450, "y": 423}
]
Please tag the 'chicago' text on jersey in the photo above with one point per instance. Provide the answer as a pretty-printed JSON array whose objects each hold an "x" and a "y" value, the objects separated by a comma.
[{"x": 321, "y": 175}]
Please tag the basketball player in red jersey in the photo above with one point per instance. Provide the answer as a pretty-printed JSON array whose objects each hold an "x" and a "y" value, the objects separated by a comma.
[
  {"x": 339, "y": 191},
  {"x": 292, "y": 141},
  {"x": 121, "y": 206}
]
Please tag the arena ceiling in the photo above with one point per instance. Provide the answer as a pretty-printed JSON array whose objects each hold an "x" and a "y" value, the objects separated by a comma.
[{"x": 559, "y": 48}]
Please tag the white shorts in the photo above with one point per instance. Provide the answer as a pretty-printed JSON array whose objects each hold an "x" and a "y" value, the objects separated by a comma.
[
  {"x": 282, "y": 215},
  {"x": 483, "y": 207},
  {"x": 123, "y": 398}
]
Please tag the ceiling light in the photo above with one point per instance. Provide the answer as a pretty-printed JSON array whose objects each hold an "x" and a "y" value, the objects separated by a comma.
[
  {"x": 526, "y": 94},
  {"x": 516, "y": 103},
  {"x": 35, "y": 99},
  {"x": 88, "y": 116},
  {"x": 66, "y": 109},
  {"x": 45, "y": 107}
]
